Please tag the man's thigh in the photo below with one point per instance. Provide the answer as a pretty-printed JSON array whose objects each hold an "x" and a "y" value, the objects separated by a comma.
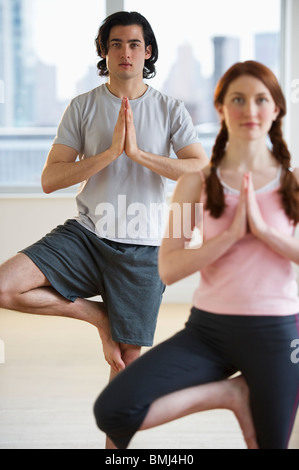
[{"x": 20, "y": 274}]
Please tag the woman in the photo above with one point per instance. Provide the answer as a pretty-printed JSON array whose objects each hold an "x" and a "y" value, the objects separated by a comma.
[{"x": 245, "y": 310}]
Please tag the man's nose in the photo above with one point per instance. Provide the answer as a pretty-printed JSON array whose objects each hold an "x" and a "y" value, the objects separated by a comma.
[{"x": 125, "y": 53}]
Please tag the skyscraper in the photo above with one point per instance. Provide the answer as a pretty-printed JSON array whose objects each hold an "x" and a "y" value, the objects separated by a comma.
[
  {"x": 16, "y": 62},
  {"x": 226, "y": 53},
  {"x": 267, "y": 50}
]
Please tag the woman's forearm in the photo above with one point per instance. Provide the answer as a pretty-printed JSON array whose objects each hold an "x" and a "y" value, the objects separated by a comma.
[
  {"x": 180, "y": 262},
  {"x": 285, "y": 245}
]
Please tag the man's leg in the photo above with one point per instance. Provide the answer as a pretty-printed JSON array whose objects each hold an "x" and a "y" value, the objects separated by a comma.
[
  {"x": 129, "y": 354},
  {"x": 24, "y": 288}
]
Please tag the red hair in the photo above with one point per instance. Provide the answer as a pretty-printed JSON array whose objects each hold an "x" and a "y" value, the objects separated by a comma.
[{"x": 289, "y": 187}]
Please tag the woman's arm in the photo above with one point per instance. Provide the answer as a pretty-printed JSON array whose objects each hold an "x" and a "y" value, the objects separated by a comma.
[
  {"x": 176, "y": 261},
  {"x": 286, "y": 246}
]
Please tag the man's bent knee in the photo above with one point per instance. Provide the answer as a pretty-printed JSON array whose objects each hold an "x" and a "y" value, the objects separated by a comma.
[{"x": 19, "y": 275}]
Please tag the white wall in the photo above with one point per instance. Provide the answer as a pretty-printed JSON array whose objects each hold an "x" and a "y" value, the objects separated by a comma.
[{"x": 26, "y": 218}]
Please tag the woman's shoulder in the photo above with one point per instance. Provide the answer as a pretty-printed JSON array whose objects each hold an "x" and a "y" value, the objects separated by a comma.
[
  {"x": 194, "y": 177},
  {"x": 190, "y": 184}
]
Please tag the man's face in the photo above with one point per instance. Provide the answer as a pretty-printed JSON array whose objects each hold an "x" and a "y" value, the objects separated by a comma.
[{"x": 126, "y": 52}]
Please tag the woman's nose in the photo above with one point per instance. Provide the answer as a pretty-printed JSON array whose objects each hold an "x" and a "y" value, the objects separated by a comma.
[{"x": 250, "y": 108}]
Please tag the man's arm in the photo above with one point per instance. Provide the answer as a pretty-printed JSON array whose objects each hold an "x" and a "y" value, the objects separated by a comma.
[
  {"x": 190, "y": 158},
  {"x": 62, "y": 170}
]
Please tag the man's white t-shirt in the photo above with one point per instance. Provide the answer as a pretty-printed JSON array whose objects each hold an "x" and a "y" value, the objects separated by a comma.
[{"x": 125, "y": 201}]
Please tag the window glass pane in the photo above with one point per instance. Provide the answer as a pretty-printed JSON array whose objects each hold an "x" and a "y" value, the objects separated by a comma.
[
  {"x": 199, "y": 40},
  {"x": 47, "y": 56}
]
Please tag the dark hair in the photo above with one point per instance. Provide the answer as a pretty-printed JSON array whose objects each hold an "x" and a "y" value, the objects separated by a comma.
[
  {"x": 125, "y": 18},
  {"x": 289, "y": 190}
]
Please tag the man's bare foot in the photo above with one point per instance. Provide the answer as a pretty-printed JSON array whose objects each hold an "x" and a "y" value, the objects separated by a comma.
[
  {"x": 111, "y": 349},
  {"x": 238, "y": 402}
]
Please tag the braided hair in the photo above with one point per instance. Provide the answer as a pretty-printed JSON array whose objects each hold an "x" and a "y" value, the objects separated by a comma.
[{"x": 289, "y": 189}]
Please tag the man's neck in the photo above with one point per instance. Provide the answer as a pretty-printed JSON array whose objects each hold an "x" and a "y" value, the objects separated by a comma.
[{"x": 129, "y": 89}]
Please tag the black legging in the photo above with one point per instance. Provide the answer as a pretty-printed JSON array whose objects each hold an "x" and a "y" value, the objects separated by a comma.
[{"x": 212, "y": 347}]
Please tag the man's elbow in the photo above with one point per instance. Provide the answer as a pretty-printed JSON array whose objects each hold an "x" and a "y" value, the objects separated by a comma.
[
  {"x": 202, "y": 160},
  {"x": 197, "y": 159},
  {"x": 46, "y": 185}
]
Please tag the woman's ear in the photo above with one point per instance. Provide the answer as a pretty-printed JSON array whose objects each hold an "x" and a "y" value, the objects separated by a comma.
[
  {"x": 219, "y": 109},
  {"x": 276, "y": 113}
]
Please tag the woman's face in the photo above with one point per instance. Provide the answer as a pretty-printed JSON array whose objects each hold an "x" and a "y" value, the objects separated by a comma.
[{"x": 248, "y": 109}]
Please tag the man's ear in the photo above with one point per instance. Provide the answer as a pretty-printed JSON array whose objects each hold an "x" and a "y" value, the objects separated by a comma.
[{"x": 148, "y": 52}]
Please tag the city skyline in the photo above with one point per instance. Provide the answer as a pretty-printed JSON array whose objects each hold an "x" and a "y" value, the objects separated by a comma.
[
  {"x": 33, "y": 106},
  {"x": 32, "y": 82}
]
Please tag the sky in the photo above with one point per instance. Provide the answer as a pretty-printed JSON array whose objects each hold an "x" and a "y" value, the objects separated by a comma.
[{"x": 64, "y": 31}]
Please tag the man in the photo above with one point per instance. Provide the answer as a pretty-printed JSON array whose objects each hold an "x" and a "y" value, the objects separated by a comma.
[{"x": 122, "y": 132}]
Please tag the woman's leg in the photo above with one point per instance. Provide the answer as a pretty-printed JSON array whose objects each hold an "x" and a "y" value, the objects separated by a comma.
[
  {"x": 231, "y": 394},
  {"x": 172, "y": 370},
  {"x": 272, "y": 377}
]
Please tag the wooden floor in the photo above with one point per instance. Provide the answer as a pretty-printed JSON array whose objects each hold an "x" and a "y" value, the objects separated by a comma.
[{"x": 53, "y": 369}]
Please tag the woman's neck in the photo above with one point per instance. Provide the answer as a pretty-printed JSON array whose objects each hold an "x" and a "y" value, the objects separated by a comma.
[{"x": 248, "y": 156}]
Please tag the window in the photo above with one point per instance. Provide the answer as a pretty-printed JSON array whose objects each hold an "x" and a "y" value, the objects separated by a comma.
[
  {"x": 47, "y": 56},
  {"x": 199, "y": 40}
]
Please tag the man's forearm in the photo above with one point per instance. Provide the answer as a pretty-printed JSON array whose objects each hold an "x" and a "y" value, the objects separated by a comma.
[
  {"x": 59, "y": 174},
  {"x": 191, "y": 158}
]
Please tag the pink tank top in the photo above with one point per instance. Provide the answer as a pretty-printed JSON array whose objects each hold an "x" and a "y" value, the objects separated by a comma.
[{"x": 250, "y": 278}]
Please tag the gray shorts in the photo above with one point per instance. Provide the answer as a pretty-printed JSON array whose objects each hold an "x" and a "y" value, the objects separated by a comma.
[{"x": 78, "y": 264}]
